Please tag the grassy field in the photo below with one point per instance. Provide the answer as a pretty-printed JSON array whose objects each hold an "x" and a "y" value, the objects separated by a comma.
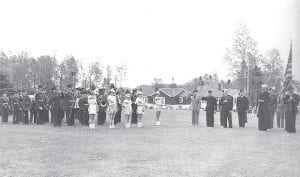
[{"x": 176, "y": 148}]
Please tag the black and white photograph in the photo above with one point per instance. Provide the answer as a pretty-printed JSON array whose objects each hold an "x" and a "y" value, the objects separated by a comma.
[{"x": 160, "y": 88}]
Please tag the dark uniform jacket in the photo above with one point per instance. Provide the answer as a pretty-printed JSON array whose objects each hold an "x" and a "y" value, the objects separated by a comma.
[
  {"x": 27, "y": 103},
  {"x": 226, "y": 103},
  {"x": 242, "y": 104},
  {"x": 291, "y": 102},
  {"x": 15, "y": 103},
  {"x": 55, "y": 101},
  {"x": 69, "y": 100},
  {"x": 211, "y": 103},
  {"x": 4, "y": 103},
  {"x": 263, "y": 104},
  {"x": 39, "y": 101},
  {"x": 273, "y": 102},
  {"x": 83, "y": 103}
]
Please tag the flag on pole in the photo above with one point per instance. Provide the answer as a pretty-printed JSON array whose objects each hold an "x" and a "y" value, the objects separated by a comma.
[{"x": 287, "y": 80}]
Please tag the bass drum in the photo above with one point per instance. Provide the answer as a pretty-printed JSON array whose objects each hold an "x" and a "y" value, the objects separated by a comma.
[{"x": 27, "y": 102}]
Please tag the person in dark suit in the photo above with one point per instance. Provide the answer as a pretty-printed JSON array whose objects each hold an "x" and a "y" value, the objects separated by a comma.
[
  {"x": 263, "y": 111},
  {"x": 102, "y": 102},
  {"x": 83, "y": 108},
  {"x": 242, "y": 106},
  {"x": 226, "y": 103},
  {"x": 39, "y": 106},
  {"x": 195, "y": 107},
  {"x": 26, "y": 106},
  {"x": 211, "y": 108},
  {"x": 56, "y": 107},
  {"x": 291, "y": 101},
  {"x": 16, "y": 108},
  {"x": 69, "y": 103},
  {"x": 134, "y": 107},
  {"x": 4, "y": 107}
]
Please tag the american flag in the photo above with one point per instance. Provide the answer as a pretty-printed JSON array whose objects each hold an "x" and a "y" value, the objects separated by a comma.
[{"x": 287, "y": 80}]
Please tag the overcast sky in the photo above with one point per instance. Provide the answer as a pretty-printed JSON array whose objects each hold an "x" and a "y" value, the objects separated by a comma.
[{"x": 163, "y": 39}]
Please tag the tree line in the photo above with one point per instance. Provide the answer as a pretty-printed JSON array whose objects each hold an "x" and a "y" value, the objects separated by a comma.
[{"x": 26, "y": 72}]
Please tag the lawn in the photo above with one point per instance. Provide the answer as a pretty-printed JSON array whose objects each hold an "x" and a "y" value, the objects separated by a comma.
[{"x": 176, "y": 148}]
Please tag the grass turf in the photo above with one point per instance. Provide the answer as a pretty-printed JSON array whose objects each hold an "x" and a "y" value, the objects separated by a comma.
[{"x": 175, "y": 148}]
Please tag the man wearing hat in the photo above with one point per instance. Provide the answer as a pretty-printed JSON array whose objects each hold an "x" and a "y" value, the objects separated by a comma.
[
  {"x": 39, "y": 105},
  {"x": 4, "y": 107},
  {"x": 226, "y": 103},
  {"x": 55, "y": 105},
  {"x": 83, "y": 108},
  {"x": 26, "y": 106},
  {"x": 242, "y": 106},
  {"x": 280, "y": 110},
  {"x": 69, "y": 102},
  {"x": 134, "y": 107},
  {"x": 263, "y": 112},
  {"x": 291, "y": 101},
  {"x": 211, "y": 108},
  {"x": 16, "y": 108},
  {"x": 195, "y": 107}
]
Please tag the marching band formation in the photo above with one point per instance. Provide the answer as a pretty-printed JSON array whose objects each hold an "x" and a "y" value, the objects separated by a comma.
[
  {"x": 90, "y": 106},
  {"x": 93, "y": 107}
]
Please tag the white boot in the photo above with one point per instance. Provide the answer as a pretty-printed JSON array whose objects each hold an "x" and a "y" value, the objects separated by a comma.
[
  {"x": 127, "y": 125},
  {"x": 92, "y": 126},
  {"x": 157, "y": 123}
]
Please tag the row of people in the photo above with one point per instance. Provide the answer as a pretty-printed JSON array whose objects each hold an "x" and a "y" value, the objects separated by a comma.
[
  {"x": 267, "y": 103},
  {"x": 88, "y": 106}
]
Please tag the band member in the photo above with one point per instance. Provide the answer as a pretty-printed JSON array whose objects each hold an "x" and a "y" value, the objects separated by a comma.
[
  {"x": 134, "y": 107},
  {"x": 32, "y": 108},
  {"x": 76, "y": 105},
  {"x": 69, "y": 102},
  {"x": 16, "y": 108},
  {"x": 93, "y": 107},
  {"x": 226, "y": 103},
  {"x": 158, "y": 107},
  {"x": 127, "y": 109},
  {"x": 83, "y": 108},
  {"x": 280, "y": 110},
  {"x": 39, "y": 105},
  {"x": 4, "y": 107},
  {"x": 242, "y": 106},
  {"x": 112, "y": 107},
  {"x": 102, "y": 107},
  {"x": 56, "y": 107},
  {"x": 117, "y": 118},
  {"x": 272, "y": 107},
  {"x": 211, "y": 108},
  {"x": 263, "y": 112},
  {"x": 26, "y": 106},
  {"x": 195, "y": 107},
  {"x": 46, "y": 107},
  {"x": 140, "y": 107},
  {"x": 291, "y": 101}
]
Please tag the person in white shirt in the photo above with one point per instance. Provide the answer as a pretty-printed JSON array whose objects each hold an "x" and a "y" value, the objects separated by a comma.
[
  {"x": 127, "y": 109},
  {"x": 158, "y": 107},
  {"x": 112, "y": 107},
  {"x": 93, "y": 107},
  {"x": 140, "y": 108}
]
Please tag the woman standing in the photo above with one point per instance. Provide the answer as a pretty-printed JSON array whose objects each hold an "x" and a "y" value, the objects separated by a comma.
[
  {"x": 127, "y": 109},
  {"x": 112, "y": 107},
  {"x": 140, "y": 108},
  {"x": 92, "y": 100}
]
